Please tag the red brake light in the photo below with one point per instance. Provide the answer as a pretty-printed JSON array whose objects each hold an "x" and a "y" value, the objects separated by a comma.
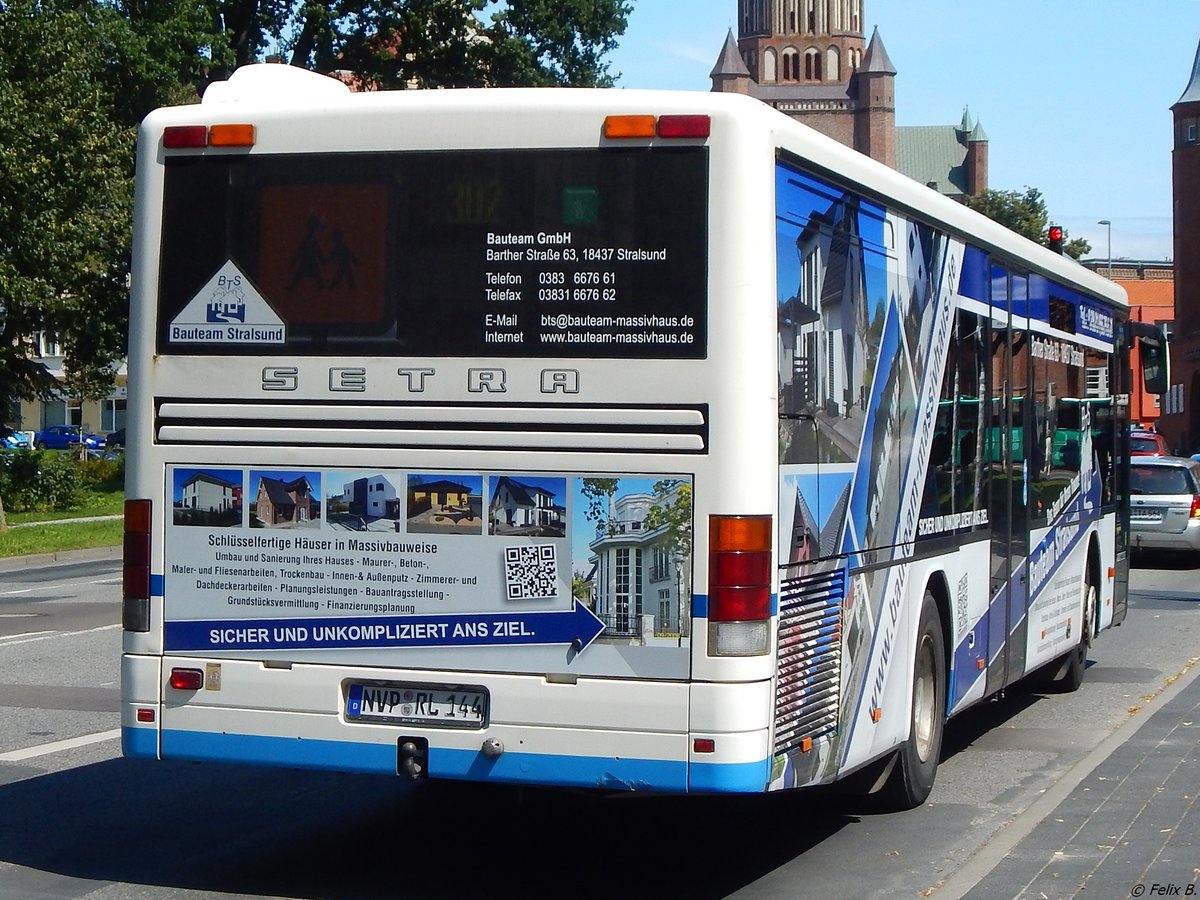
[
  {"x": 1195, "y": 514},
  {"x": 136, "y": 574},
  {"x": 739, "y": 568},
  {"x": 187, "y": 679},
  {"x": 684, "y": 126},
  {"x": 177, "y": 137}
]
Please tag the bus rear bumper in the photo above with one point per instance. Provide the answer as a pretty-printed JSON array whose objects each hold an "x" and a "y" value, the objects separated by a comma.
[{"x": 552, "y": 770}]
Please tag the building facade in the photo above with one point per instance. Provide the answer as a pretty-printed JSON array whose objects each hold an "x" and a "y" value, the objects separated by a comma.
[
  {"x": 103, "y": 416},
  {"x": 1181, "y": 421},
  {"x": 1150, "y": 285},
  {"x": 810, "y": 59}
]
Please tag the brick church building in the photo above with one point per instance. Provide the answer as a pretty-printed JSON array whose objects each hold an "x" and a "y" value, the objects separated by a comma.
[
  {"x": 1181, "y": 412},
  {"x": 810, "y": 60}
]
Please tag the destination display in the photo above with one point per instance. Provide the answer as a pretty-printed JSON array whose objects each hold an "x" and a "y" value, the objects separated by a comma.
[{"x": 515, "y": 253}]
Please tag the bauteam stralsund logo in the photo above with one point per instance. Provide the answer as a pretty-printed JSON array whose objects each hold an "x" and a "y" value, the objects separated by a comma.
[{"x": 227, "y": 310}]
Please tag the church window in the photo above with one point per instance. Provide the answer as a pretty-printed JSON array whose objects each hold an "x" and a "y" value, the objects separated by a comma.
[
  {"x": 833, "y": 67},
  {"x": 770, "y": 65},
  {"x": 791, "y": 65},
  {"x": 812, "y": 65}
]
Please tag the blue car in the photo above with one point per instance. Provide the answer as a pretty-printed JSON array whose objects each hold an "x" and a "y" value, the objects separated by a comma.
[
  {"x": 16, "y": 441},
  {"x": 64, "y": 437}
]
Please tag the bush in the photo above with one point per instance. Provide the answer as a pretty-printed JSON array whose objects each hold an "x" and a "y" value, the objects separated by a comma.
[
  {"x": 102, "y": 472},
  {"x": 32, "y": 480}
]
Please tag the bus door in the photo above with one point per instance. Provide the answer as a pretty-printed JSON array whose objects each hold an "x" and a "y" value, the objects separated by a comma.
[{"x": 1011, "y": 410}]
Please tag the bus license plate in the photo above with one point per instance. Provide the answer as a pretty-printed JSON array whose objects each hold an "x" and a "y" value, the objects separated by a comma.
[{"x": 413, "y": 704}]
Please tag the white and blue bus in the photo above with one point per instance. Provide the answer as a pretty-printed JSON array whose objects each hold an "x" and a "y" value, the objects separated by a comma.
[{"x": 615, "y": 439}]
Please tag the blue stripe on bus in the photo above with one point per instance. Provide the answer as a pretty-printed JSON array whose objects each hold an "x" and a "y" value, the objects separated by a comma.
[
  {"x": 740, "y": 778},
  {"x": 700, "y": 605},
  {"x": 139, "y": 743},
  {"x": 156, "y": 585},
  {"x": 511, "y": 767}
]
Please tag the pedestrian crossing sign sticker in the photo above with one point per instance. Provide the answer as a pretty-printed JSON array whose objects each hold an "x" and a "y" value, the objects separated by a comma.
[{"x": 227, "y": 310}]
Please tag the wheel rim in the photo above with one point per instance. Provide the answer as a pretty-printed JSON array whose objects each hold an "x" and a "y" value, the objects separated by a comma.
[
  {"x": 924, "y": 699},
  {"x": 1089, "y": 607}
]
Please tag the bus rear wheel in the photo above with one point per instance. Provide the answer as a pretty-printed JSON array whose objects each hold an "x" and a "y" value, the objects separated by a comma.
[{"x": 916, "y": 762}]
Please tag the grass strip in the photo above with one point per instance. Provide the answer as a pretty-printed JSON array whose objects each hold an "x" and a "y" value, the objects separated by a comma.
[{"x": 56, "y": 538}]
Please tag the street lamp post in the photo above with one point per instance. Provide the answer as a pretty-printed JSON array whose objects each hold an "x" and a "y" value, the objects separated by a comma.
[{"x": 1108, "y": 225}]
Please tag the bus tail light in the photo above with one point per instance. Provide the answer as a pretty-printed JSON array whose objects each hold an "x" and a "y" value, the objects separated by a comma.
[
  {"x": 739, "y": 585},
  {"x": 135, "y": 576},
  {"x": 620, "y": 127},
  {"x": 181, "y": 137},
  {"x": 629, "y": 127},
  {"x": 187, "y": 679},
  {"x": 684, "y": 126},
  {"x": 231, "y": 136},
  {"x": 197, "y": 137}
]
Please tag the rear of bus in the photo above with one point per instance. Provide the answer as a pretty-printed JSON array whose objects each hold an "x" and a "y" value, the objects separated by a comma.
[{"x": 451, "y": 447}]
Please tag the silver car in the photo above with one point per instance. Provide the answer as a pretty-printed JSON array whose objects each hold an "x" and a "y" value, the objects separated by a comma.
[{"x": 1164, "y": 503}]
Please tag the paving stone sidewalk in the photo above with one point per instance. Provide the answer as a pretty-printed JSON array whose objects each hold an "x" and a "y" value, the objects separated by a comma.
[{"x": 1130, "y": 828}]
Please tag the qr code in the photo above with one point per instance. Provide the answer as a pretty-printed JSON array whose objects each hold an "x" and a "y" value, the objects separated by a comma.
[{"x": 531, "y": 573}]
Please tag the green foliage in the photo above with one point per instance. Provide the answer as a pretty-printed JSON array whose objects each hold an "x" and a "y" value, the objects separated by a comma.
[
  {"x": 386, "y": 43},
  {"x": 1026, "y": 215},
  {"x": 106, "y": 474},
  {"x": 76, "y": 76},
  {"x": 672, "y": 510},
  {"x": 599, "y": 494},
  {"x": 66, "y": 165},
  {"x": 57, "y": 538},
  {"x": 544, "y": 42},
  {"x": 32, "y": 480}
]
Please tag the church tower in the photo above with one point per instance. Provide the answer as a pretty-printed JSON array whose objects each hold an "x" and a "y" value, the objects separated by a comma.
[
  {"x": 1185, "y": 187},
  {"x": 809, "y": 59}
]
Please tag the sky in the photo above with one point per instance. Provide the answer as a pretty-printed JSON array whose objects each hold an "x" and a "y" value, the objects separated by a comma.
[{"x": 1075, "y": 95}]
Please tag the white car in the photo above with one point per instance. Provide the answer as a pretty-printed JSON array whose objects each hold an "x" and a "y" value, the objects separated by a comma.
[{"x": 1164, "y": 503}]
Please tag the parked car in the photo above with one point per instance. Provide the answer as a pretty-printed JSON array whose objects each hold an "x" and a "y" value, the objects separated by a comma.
[
  {"x": 64, "y": 437},
  {"x": 15, "y": 441},
  {"x": 1147, "y": 443},
  {"x": 1164, "y": 503},
  {"x": 116, "y": 440}
]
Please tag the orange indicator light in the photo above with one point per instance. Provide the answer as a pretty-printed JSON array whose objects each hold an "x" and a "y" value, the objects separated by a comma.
[
  {"x": 231, "y": 136},
  {"x": 629, "y": 127}
]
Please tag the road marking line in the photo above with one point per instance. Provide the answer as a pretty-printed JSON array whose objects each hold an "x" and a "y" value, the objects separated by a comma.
[
  {"x": 56, "y": 746},
  {"x": 18, "y": 615},
  {"x": 11, "y": 593},
  {"x": 14, "y": 638},
  {"x": 46, "y": 635}
]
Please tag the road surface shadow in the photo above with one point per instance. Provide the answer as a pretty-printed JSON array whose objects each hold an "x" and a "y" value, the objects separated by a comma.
[{"x": 285, "y": 833}]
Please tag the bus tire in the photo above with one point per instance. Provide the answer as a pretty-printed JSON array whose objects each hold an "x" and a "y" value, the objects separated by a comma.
[
  {"x": 1066, "y": 673},
  {"x": 916, "y": 761}
]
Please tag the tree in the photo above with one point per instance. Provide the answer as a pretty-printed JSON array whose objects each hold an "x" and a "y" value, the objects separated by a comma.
[
  {"x": 76, "y": 76},
  {"x": 392, "y": 43},
  {"x": 65, "y": 196},
  {"x": 672, "y": 511},
  {"x": 1026, "y": 215}
]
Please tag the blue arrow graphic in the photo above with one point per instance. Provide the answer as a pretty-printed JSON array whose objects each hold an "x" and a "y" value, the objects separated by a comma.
[{"x": 578, "y": 626}]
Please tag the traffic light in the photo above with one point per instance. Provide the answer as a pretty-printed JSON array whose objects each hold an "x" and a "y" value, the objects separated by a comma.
[{"x": 1054, "y": 238}]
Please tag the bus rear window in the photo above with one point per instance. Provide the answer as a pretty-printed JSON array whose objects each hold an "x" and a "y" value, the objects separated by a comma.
[{"x": 542, "y": 253}]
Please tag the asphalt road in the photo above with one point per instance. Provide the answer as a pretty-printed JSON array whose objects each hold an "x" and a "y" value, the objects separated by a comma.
[{"x": 76, "y": 820}]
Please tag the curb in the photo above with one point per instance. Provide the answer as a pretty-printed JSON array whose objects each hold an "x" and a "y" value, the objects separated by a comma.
[{"x": 63, "y": 557}]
